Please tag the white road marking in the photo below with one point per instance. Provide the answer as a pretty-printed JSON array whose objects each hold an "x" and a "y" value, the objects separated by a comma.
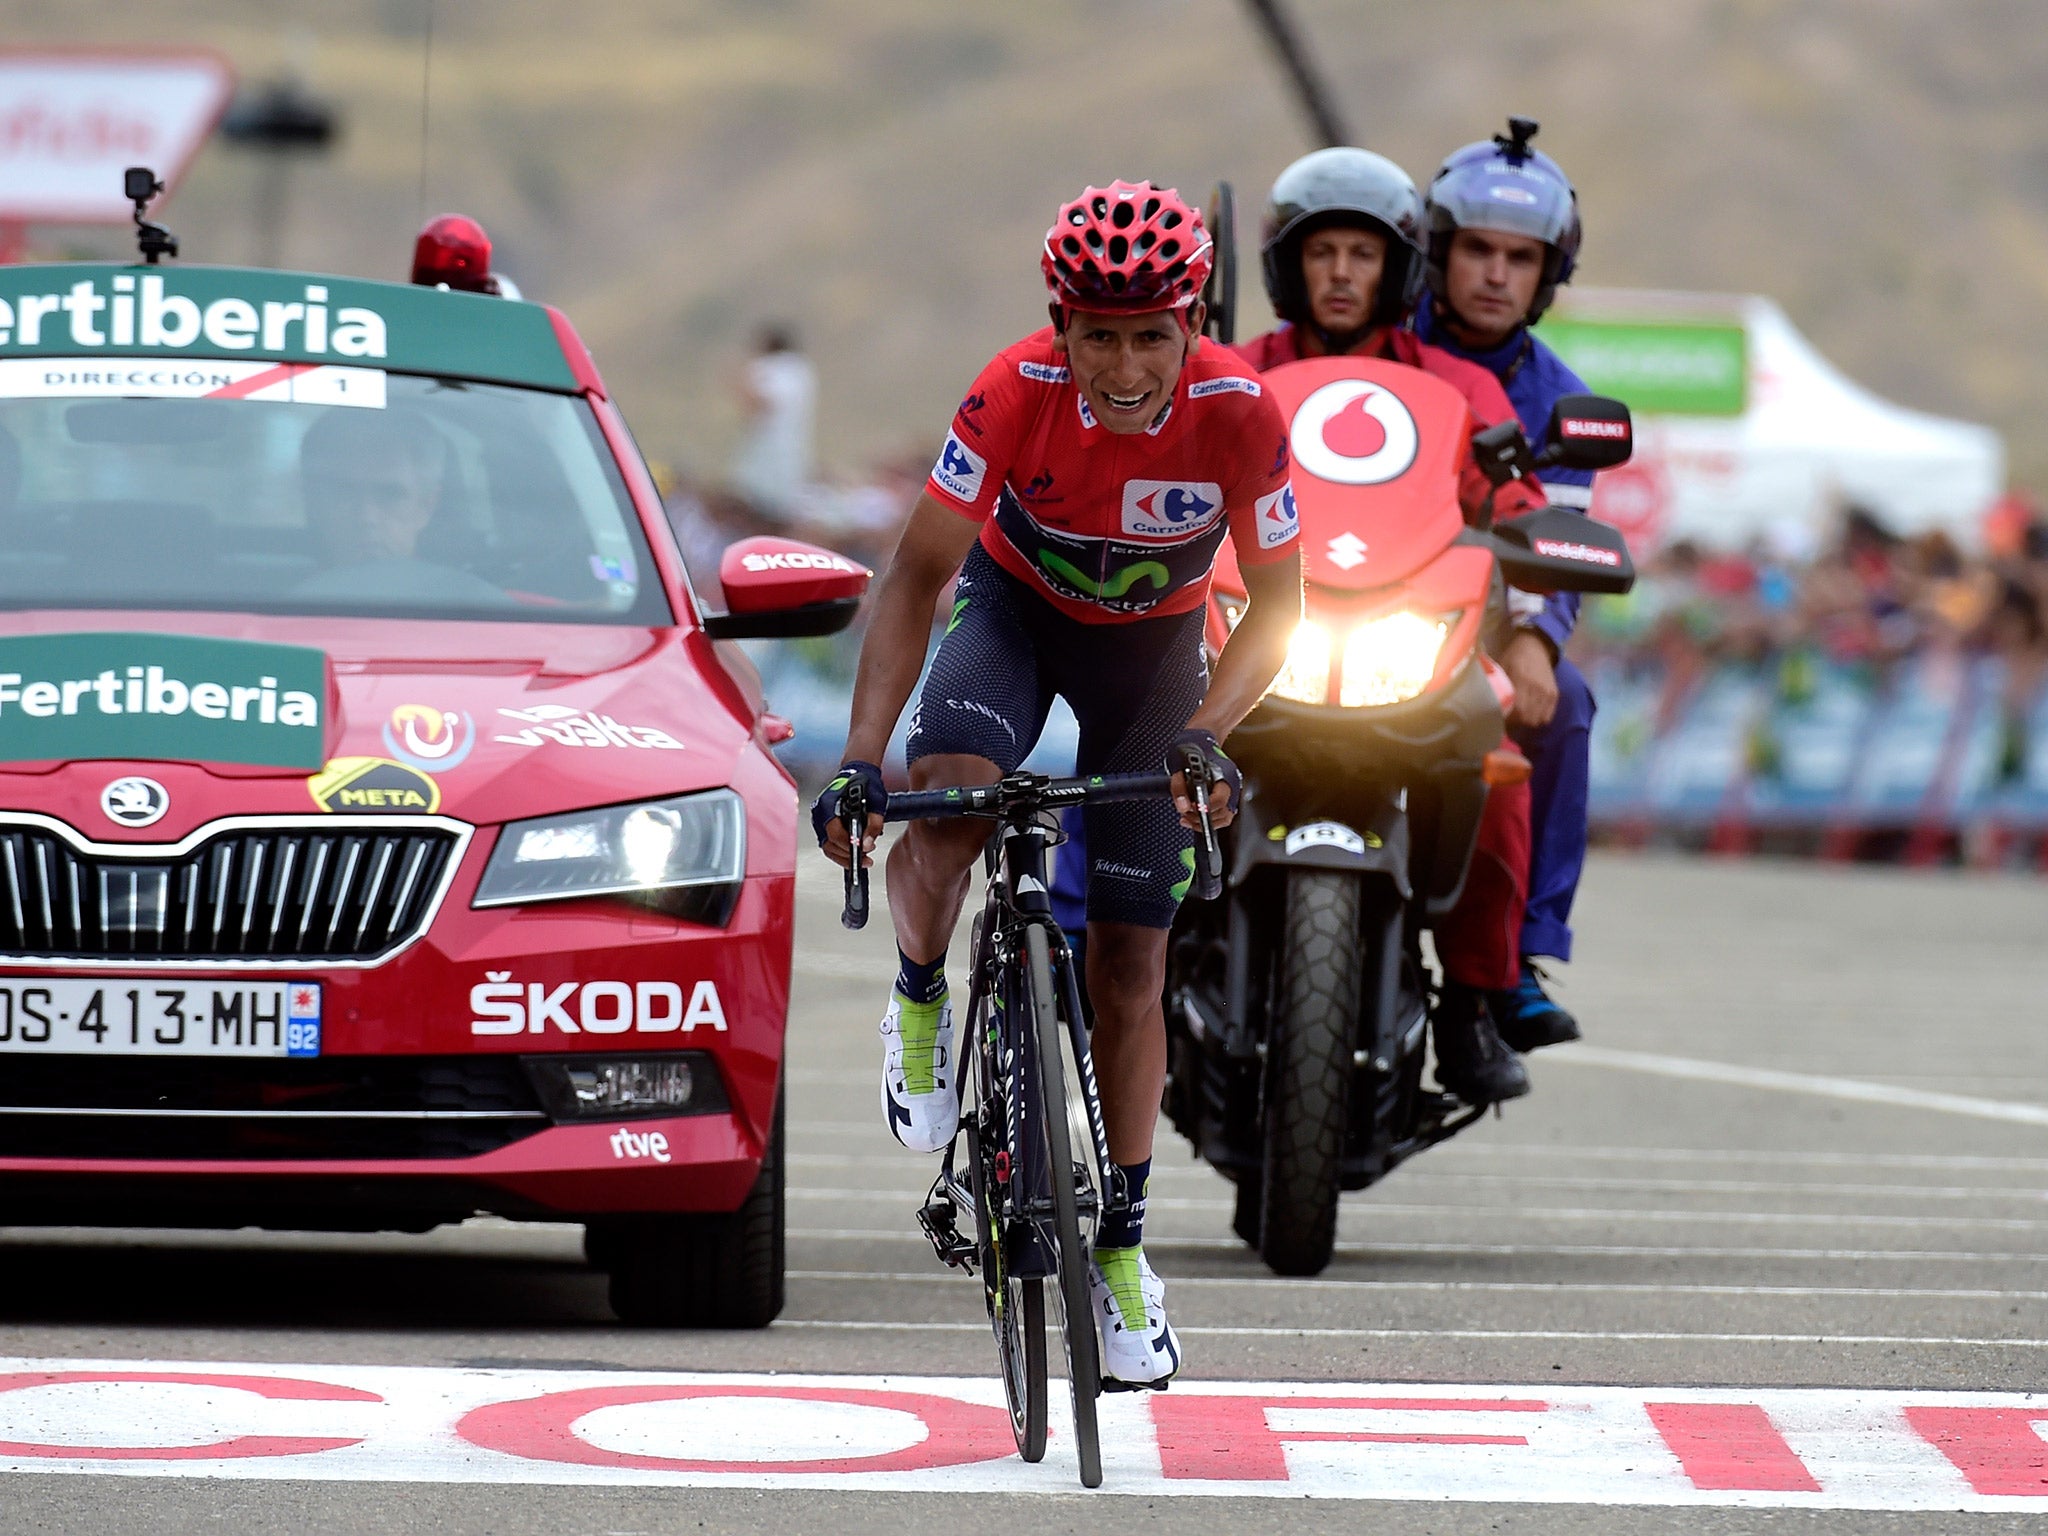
[
  {"x": 906, "y": 1234},
  {"x": 1548, "y": 1335},
  {"x": 1533, "y": 1213},
  {"x": 1565, "y": 1181},
  {"x": 1524, "y": 1444},
  {"x": 1490, "y": 1287},
  {"x": 1769, "y": 1078}
]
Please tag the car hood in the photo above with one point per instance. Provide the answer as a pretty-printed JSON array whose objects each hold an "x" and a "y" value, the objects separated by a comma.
[{"x": 480, "y": 721}]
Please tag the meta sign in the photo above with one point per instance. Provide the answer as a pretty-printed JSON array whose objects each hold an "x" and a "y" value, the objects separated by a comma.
[{"x": 1787, "y": 1448}]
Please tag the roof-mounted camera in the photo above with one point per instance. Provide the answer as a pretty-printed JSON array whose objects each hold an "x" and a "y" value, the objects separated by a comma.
[{"x": 140, "y": 186}]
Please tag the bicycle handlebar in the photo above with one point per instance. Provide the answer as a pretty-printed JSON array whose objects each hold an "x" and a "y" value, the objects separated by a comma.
[{"x": 1025, "y": 794}]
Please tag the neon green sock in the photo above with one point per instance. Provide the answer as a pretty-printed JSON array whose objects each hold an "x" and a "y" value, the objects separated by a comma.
[
  {"x": 918, "y": 1026},
  {"x": 1119, "y": 1268}
]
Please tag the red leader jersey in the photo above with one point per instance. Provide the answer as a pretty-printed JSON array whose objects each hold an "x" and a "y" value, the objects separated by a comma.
[
  {"x": 1484, "y": 398},
  {"x": 1110, "y": 527}
]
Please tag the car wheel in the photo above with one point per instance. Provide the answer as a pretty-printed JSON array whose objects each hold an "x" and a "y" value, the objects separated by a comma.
[{"x": 701, "y": 1271}]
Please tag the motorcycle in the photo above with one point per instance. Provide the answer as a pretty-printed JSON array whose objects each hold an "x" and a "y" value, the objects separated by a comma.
[{"x": 1298, "y": 1006}]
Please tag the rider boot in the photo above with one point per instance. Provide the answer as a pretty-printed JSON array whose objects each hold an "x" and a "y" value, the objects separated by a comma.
[
  {"x": 1471, "y": 1060},
  {"x": 1527, "y": 1017}
]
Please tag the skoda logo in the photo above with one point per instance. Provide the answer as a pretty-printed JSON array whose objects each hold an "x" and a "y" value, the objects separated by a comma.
[{"x": 135, "y": 802}]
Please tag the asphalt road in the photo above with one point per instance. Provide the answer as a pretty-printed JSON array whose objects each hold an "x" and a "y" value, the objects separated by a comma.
[{"x": 1805, "y": 1147}]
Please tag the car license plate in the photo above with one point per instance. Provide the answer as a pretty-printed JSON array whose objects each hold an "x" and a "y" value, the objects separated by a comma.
[{"x": 69, "y": 1016}]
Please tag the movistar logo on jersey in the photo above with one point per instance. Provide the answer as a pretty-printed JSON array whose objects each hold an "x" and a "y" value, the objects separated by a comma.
[
  {"x": 1170, "y": 509},
  {"x": 960, "y": 470},
  {"x": 1112, "y": 585},
  {"x": 78, "y": 309}
]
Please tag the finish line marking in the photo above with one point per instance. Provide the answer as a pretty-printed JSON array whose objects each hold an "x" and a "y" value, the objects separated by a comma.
[
  {"x": 1803, "y": 1082},
  {"x": 1544, "y": 1444}
]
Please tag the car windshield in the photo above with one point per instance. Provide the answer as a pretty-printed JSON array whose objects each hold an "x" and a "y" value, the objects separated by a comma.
[{"x": 311, "y": 490}]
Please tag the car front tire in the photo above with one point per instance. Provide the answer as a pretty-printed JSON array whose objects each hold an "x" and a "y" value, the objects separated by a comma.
[{"x": 701, "y": 1271}]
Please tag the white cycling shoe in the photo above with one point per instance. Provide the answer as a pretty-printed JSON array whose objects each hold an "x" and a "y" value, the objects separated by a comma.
[
  {"x": 920, "y": 1103},
  {"x": 1139, "y": 1346}
]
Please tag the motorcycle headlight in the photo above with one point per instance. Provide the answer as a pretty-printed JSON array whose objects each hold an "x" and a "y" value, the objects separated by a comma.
[
  {"x": 1390, "y": 659},
  {"x": 684, "y": 856},
  {"x": 1306, "y": 676}
]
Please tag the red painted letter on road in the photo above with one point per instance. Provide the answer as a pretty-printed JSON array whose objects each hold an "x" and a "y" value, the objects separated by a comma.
[
  {"x": 543, "y": 1429},
  {"x": 1998, "y": 1449},
  {"x": 1227, "y": 1439},
  {"x": 288, "y": 1388}
]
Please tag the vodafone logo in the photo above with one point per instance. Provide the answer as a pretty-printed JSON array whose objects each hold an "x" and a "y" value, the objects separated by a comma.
[
  {"x": 1353, "y": 432},
  {"x": 1590, "y": 554}
]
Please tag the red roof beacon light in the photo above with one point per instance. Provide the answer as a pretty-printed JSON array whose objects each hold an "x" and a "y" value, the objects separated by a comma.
[{"x": 453, "y": 251}]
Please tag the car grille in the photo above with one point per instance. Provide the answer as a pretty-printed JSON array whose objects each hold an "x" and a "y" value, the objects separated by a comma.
[
  {"x": 346, "y": 893},
  {"x": 336, "y": 1107}
]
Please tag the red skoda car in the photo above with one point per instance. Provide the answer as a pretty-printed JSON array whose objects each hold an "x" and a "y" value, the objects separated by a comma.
[{"x": 386, "y": 833}]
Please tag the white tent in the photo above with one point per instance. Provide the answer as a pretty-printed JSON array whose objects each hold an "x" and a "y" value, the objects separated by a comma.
[{"x": 1807, "y": 441}]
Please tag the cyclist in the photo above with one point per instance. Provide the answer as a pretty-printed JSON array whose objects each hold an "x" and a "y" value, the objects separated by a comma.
[
  {"x": 1091, "y": 474},
  {"x": 1342, "y": 255},
  {"x": 1504, "y": 233}
]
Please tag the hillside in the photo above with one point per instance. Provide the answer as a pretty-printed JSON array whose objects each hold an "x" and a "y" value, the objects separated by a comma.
[{"x": 880, "y": 173}]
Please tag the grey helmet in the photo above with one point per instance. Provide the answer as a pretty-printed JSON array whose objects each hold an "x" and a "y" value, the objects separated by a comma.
[{"x": 1348, "y": 188}]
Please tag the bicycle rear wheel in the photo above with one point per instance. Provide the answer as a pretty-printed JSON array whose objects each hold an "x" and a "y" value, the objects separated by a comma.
[{"x": 1077, "y": 1318}]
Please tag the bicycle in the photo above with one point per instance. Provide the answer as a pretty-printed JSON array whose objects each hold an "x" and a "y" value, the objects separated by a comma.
[{"x": 1033, "y": 1102}]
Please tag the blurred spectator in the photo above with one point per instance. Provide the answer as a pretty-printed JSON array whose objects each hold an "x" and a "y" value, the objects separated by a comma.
[{"x": 778, "y": 392}]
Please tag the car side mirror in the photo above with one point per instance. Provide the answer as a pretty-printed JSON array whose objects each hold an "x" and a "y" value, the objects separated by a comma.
[
  {"x": 784, "y": 589},
  {"x": 1588, "y": 432},
  {"x": 1553, "y": 550}
]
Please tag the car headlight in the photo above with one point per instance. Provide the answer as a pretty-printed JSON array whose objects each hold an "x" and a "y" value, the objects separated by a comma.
[
  {"x": 684, "y": 856},
  {"x": 626, "y": 1087},
  {"x": 1305, "y": 678},
  {"x": 1390, "y": 659}
]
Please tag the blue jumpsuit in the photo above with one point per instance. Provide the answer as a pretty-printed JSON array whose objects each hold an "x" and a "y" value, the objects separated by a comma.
[{"x": 1534, "y": 377}]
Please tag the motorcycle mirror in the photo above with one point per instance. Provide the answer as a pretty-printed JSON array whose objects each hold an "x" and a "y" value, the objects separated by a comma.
[
  {"x": 1588, "y": 432},
  {"x": 1553, "y": 550},
  {"x": 1220, "y": 293},
  {"x": 1502, "y": 453}
]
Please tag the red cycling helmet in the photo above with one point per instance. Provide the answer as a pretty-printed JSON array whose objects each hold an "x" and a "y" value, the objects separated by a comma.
[{"x": 1127, "y": 248}]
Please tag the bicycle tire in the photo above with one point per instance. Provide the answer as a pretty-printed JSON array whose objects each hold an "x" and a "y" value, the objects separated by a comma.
[
  {"x": 1077, "y": 1318},
  {"x": 1016, "y": 1310}
]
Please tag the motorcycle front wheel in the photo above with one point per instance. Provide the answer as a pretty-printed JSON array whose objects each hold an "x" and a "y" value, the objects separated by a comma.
[{"x": 1308, "y": 1074}]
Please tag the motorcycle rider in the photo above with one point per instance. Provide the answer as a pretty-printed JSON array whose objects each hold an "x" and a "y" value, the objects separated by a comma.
[
  {"x": 1341, "y": 251},
  {"x": 1504, "y": 232},
  {"x": 1092, "y": 472}
]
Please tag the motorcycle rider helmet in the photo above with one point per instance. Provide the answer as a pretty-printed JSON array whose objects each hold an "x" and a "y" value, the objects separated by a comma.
[
  {"x": 1503, "y": 184},
  {"x": 1128, "y": 248},
  {"x": 1349, "y": 189}
]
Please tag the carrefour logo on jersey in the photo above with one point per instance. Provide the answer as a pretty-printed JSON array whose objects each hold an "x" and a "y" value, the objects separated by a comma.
[
  {"x": 1276, "y": 518},
  {"x": 1170, "y": 509},
  {"x": 960, "y": 470}
]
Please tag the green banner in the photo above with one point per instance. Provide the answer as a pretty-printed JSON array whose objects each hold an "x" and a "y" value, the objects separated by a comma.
[
  {"x": 1658, "y": 368},
  {"x": 187, "y": 698},
  {"x": 226, "y": 312}
]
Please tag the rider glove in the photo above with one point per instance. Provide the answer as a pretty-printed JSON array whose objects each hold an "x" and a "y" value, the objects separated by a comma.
[
  {"x": 1220, "y": 765},
  {"x": 825, "y": 809}
]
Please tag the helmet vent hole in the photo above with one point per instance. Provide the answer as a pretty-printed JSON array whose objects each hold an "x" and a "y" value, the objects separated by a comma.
[
  {"x": 1145, "y": 241},
  {"x": 1071, "y": 246},
  {"x": 1151, "y": 208},
  {"x": 1100, "y": 207},
  {"x": 1094, "y": 239},
  {"x": 1169, "y": 247},
  {"x": 1123, "y": 216},
  {"x": 1119, "y": 249},
  {"x": 1172, "y": 219},
  {"x": 1117, "y": 282},
  {"x": 1176, "y": 272},
  {"x": 1076, "y": 217}
]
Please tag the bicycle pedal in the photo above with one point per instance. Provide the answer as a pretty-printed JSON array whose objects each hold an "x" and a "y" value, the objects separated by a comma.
[
  {"x": 939, "y": 1217},
  {"x": 1117, "y": 1384}
]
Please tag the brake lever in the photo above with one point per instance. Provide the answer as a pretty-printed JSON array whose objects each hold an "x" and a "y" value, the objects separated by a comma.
[
  {"x": 853, "y": 815},
  {"x": 1194, "y": 767}
]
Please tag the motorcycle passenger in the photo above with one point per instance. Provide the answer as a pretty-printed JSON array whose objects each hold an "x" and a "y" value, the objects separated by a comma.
[
  {"x": 1504, "y": 233},
  {"x": 1092, "y": 473},
  {"x": 1341, "y": 251}
]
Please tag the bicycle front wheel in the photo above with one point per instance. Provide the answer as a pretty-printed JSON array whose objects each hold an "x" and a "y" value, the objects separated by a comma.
[{"x": 1077, "y": 1319}]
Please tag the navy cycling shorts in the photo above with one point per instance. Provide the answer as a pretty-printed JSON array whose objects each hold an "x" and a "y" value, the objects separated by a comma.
[{"x": 1132, "y": 686}]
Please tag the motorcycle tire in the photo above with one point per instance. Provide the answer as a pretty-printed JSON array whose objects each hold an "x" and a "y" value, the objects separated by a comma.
[{"x": 1308, "y": 1072}]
